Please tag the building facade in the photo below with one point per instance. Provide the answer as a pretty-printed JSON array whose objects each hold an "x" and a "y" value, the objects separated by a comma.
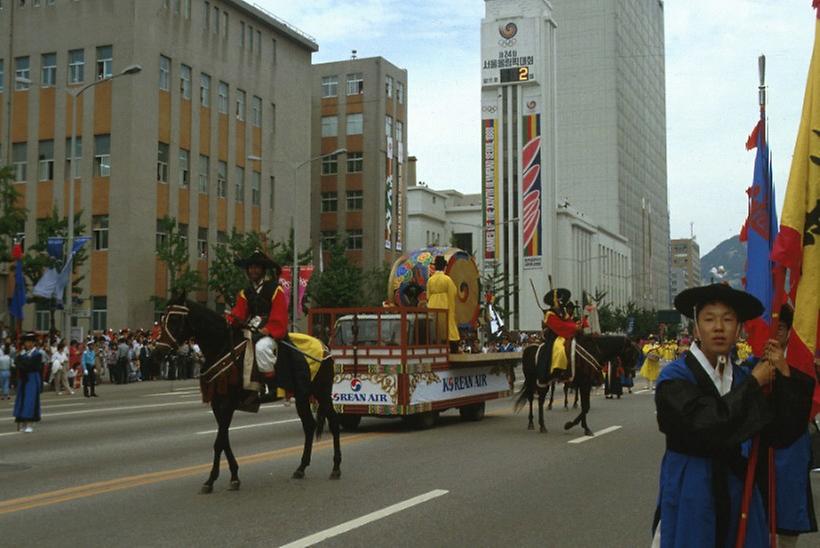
[
  {"x": 360, "y": 105},
  {"x": 685, "y": 264},
  {"x": 612, "y": 128},
  {"x": 207, "y": 133}
]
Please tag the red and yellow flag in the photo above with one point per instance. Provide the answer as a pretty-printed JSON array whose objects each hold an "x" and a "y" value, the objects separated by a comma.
[{"x": 797, "y": 247}]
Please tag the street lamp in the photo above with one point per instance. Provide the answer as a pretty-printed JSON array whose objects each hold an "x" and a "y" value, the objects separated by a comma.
[
  {"x": 294, "y": 283},
  {"x": 75, "y": 95}
]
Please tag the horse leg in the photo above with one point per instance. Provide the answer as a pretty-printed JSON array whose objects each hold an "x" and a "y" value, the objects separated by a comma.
[
  {"x": 309, "y": 427},
  {"x": 530, "y": 424},
  {"x": 208, "y": 486},
  {"x": 233, "y": 466},
  {"x": 333, "y": 422},
  {"x": 542, "y": 395},
  {"x": 552, "y": 395},
  {"x": 585, "y": 390},
  {"x": 575, "y": 403},
  {"x": 566, "y": 395}
]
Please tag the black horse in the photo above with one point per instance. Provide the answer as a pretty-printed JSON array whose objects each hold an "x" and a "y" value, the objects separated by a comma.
[
  {"x": 222, "y": 388},
  {"x": 592, "y": 352}
]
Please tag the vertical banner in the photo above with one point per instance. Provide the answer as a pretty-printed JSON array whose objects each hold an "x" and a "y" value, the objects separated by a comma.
[
  {"x": 531, "y": 189},
  {"x": 285, "y": 278},
  {"x": 305, "y": 272},
  {"x": 399, "y": 196},
  {"x": 388, "y": 197},
  {"x": 489, "y": 185}
]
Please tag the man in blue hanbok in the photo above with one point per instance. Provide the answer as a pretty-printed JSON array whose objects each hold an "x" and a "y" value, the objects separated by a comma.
[
  {"x": 708, "y": 407},
  {"x": 29, "y": 383}
]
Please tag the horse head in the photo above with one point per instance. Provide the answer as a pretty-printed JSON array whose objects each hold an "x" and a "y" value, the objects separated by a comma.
[{"x": 174, "y": 327}]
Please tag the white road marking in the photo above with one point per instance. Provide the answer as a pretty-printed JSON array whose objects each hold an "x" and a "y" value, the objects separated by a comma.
[
  {"x": 250, "y": 426},
  {"x": 123, "y": 408},
  {"x": 180, "y": 393},
  {"x": 364, "y": 520},
  {"x": 60, "y": 405},
  {"x": 644, "y": 391},
  {"x": 9, "y": 433},
  {"x": 598, "y": 434},
  {"x": 264, "y": 407}
]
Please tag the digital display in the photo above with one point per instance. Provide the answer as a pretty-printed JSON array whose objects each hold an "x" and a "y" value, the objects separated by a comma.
[{"x": 515, "y": 74}]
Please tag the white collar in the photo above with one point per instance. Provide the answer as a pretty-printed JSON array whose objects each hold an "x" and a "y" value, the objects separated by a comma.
[{"x": 722, "y": 383}]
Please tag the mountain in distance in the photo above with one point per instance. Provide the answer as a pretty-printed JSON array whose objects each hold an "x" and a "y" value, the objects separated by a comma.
[{"x": 731, "y": 256}]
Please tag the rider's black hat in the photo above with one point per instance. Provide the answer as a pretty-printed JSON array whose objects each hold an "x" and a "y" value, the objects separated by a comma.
[
  {"x": 745, "y": 305},
  {"x": 259, "y": 258},
  {"x": 557, "y": 298}
]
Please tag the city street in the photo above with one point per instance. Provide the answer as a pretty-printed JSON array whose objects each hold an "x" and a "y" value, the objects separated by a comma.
[{"x": 125, "y": 469}]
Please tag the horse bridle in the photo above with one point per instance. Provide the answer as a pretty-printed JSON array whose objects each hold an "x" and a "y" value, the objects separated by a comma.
[{"x": 164, "y": 332}]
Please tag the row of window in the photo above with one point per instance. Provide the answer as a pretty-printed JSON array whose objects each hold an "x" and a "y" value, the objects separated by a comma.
[
  {"x": 205, "y": 92},
  {"x": 45, "y": 158},
  {"x": 355, "y": 163},
  {"x": 355, "y": 201},
  {"x": 355, "y": 86},
  {"x": 201, "y": 237},
  {"x": 178, "y": 7},
  {"x": 355, "y": 239},
  {"x": 218, "y": 22},
  {"x": 204, "y": 175},
  {"x": 48, "y": 68},
  {"x": 33, "y": 3},
  {"x": 99, "y": 313},
  {"x": 355, "y": 126}
]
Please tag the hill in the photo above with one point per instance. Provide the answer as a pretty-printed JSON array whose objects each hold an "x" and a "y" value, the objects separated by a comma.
[{"x": 731, "y": 255}]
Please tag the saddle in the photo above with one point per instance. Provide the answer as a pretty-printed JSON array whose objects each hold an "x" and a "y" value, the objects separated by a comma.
[{"x": 234, "y": 369}]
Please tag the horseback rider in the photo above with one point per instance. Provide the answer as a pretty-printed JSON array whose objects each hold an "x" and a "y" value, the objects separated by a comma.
[
  {"x": 263, "y": 306},
  {"x": 558, "y": 327}
]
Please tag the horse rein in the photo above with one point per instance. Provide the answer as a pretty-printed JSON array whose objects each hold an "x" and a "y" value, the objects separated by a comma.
[{"x": 173, "y": 310}]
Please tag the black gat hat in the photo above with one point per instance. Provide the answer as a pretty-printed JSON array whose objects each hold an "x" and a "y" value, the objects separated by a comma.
[
  {"x": 745, "y": 305},
  {"x": 557, "y": 298}
]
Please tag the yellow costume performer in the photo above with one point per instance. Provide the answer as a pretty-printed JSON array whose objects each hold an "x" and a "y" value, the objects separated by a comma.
[
  {"x": 441, "y": 293},
  {"x": 651, "y": 367}
]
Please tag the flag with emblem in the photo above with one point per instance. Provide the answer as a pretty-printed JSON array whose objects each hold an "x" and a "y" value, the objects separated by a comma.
[{"x": 797, "y": 247}]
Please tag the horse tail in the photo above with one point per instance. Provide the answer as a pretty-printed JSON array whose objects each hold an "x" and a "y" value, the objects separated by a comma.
[
  {"x": 528, "y": 367},
  {"x": 522, "y": 398},
  {"x": 320, "y": 424},
  {"x": 324, "y": 391}
]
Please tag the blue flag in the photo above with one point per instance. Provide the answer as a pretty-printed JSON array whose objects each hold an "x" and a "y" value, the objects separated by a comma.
[
  {"x": 18, "y": 299},
  {"x": 759, "y": 233},
  {"x": 54, "y": 247}
]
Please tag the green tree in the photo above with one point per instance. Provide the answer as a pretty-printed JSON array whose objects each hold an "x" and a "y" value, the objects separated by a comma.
[
  {"x": 282, "y": 252},
  {"x": 12, "y": 216},
  {"x": 340, "y": 285},
  {"x": 172, "y": 249},
  {"x": 374, "y": 285},
  {"x": 224, "y": 277}
]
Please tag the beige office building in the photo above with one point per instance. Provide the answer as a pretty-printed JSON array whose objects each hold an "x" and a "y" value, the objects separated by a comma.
[
  {"x": 685, "y": 264},
  {"x": 209, "y": 132},
  {"x": 360, "y": 105}
]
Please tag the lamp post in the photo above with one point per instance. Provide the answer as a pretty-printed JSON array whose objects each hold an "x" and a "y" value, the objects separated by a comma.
[{"x": 75, "y": 95}]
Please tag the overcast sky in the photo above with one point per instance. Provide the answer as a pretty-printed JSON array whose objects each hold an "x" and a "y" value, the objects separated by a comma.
[{"x": 711, "y": 90}]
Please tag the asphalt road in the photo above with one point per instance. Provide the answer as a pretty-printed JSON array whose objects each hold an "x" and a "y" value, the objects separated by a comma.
[{"x": 124, "y": 470}]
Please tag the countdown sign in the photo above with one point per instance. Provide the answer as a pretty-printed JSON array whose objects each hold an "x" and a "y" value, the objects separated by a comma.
[{"x": 509, "y": 50}]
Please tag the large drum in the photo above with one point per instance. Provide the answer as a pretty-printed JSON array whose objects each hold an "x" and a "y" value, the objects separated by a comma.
[{"x": 408, "y": 280}]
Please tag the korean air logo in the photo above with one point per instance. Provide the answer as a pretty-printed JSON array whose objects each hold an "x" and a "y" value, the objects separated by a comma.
[{"x": 356, "y": 385}]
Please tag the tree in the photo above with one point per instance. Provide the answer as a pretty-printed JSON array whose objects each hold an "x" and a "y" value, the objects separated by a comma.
[
  {"x": 172, "y": 249},
  {"x": 12, "y": 216},
  {"x": 282, "y": 252},
  {"x": 340, "y": 285},
  {"x": 374, "y": 285}
]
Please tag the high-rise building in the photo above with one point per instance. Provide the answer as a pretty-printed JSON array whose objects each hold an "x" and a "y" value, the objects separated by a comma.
[
  {"x": 207, "y": 133},
  {"x": 360, "y": 105},
  {"x": 685, "y": 264},
  {"x": 612, "y": 128}
]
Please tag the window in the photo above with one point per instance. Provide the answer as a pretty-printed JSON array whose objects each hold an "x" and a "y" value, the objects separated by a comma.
[
  {"x": 102, "y": 155},
  {"x": 240, "y": 104},
  {"x": 330, "y": 165},
  {"x": 355, "y": 84},
  {"x": 162, "y": 236},
  {"x": 256, "y": 111},
  {"x": 204, "y": 90},
  {"x": 354, "y": 239},
  {"x": 42, "y": 313},
  {"x": 202, "y": 242},
  {"x": 399, "y": 132},
  {"x": 388, "y": 125},
  {"x": 274, "y": 50},
  {"x": 48, "y": 70},
  {"x": 76, "y": 66},
  {"x": 355, "y": 200},
  {"x": 330, "y": 86},
  {"x": 162, "y": 162},
  {"x": 400, "y": 92},
  {"x": 224, "y": 24},
  {"x": 78, "y": 155},
  {"x": 271, "y": 195},
  {"x": 207, "y": 14},
  {"x": 2, "y": 75},
  {"x": 221, "y": 239},
  {"x": 330, "y": 126},
  {"x": 355, "y": 124},
  {"x": 222, "y": 99},
  {"x": 99, "y": 228},
  {"x": 104, "y": 62},
  {"x": 222, "y": 179},
  {"x": 186, "y": 9},
  {"x": 355, "y": 162},
  {"x": 256, "y": 188},
  {"x": 184, "y": 168},
  {"x": 164, "y": 73},
  {"x": 330, "y": 202},
  {"x": 185, "y": 81},
  {"x": 22, "y": 71},
  {"x": 328, "y": 239},
  {"x": 239, "y": 184},
  {"x": 216, "y": 20},
  {"x": 204, "y": 173},
  {"x": 45, "y": 157},
  {"x": 99, "y": 313},
  {"x": 250, "y": 37},
  {"x": 182, "y": 229},
  {"x": 258, "y": 41},
  {"x": 388, "y": 86},
  {"x": 19, "y": 151}
]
